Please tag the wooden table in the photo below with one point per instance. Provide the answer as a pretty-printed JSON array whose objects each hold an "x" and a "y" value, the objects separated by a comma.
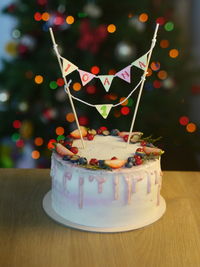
[{"x": 28, "y": 237}]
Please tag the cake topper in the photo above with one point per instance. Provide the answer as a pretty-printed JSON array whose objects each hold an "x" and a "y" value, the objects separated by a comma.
[{"x": 68, "y": 67}]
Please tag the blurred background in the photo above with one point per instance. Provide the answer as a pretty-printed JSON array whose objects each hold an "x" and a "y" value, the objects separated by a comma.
[{"x": 101, "y": 37}]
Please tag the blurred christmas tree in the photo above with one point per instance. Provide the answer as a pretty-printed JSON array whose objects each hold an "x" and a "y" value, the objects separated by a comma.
[{"x": 100, "y": 37}]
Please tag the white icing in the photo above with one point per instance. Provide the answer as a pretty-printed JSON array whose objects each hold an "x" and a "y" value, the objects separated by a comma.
[{"x": 105, "y": 147}]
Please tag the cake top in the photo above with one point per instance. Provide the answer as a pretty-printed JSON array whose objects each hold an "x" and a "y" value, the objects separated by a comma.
[{"x": 106, "y": 149}]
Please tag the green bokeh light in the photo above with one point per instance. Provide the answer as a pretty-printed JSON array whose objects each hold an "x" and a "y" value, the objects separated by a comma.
[
  {"x": 169, "y": 26},
  {"x": 53, "y": 85},
  {"x": 15, "y": 137}
]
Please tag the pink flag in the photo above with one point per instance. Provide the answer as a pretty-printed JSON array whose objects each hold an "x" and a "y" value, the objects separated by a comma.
[
  {"x": 125, "y": 74},
  {"x": 85, "y": 76},
  {"x": 106, "y": 81}
]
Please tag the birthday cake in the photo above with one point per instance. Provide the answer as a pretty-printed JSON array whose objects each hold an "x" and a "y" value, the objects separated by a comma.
[{"x": 108, "y": 185}]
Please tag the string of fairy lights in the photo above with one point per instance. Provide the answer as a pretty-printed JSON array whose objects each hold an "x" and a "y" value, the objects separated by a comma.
[{"x": 162, "y": 77}]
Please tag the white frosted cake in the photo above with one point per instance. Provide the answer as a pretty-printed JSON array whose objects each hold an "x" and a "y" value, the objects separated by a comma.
[{"x": 106, "y": 186}]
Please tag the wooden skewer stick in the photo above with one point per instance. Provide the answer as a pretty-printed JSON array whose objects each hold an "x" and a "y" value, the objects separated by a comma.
[
  {"x": 66, "y": 85},
  {"x": 142, "y": 84}
]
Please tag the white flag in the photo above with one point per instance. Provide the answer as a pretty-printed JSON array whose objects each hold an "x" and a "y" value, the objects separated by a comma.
[
  {"x": 85, "y": 76},
  {"x": 106, "y": 81},
  {"x": 104, "y": 110},
  {"x": 140, "y": 62},
  {"x": 68, "y": 67}
]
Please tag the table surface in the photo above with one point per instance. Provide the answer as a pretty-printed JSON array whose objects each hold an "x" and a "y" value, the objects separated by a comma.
[{"x": 28, "y": 237}]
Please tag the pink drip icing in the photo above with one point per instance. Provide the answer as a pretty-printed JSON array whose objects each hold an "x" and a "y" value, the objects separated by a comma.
[
  {"x": 100, "y": 182},
  {"x": 91, "y": 178},
  {"x": 134, "y": 186},
  {"x": 81, "y": 182},
  {"x": 67, "y": 176},
  {"x": 158, "y": 195},
  {"x": 156, "y": 177},
  {"x": 129, "y": 185},
  {"x": 148, "y": 183},
  {"x": 116, "y": 187}
]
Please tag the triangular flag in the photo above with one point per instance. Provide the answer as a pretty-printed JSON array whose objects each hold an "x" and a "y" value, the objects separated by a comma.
[
  {"x": 125, "y": 74},
  {"x": 68, "y": 67},
  {"x": 106, "y": 81},
  {"x": 141, "y": 62},
  {"x": 85, "y": 76},
  {"x": 104, "y": 110}
]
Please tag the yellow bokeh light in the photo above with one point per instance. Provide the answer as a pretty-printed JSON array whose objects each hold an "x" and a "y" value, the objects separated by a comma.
[
  {"x": 164, "y": 43},
  {"x": 149, "y": 72},
  {"x": 143, "y": 17},
  {"x": 60, "y": 130},
  {"x": 70, "y": 117},
  {"x": 162, "y": 74},
  {"x": 38, "y": 79},
  {"x": 70, "y": 19},
  {"x": 191, "y": 127},
  {"x": 35, "y": 154},
  {"x": 77, "y": 86},
  {"x": 173, "y": 53},
  {"x": 111, "y": 28},
  {"x": 125, "y": 102},
  {"x": 45, "y": 16}
]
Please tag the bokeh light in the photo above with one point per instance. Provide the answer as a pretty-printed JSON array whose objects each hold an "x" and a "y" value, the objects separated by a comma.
[
  {"x": 15, "y": 137},
  {"x": 155, "y": 66},
  {"x": 125, "y": 102},
  {"x": 17, "y": 124},
  {"x": 143, "y": 17},
  {"x": 125, "y": 110},
  {"x": 35, "y": 154},
  {"x": 117, "y": 113},
  {"x": 160, "y": 20},
  {"x": 60, "y": 137},
  {"x": 162, "y": 74},
  {"x": 95, "y": 70},
  {"x": 45, "y": 16},
  {"x": 83, "y": 120},
  {"x": 60, "y": 82},
  {"x": 38, "y": 141},
  {"x": 173, "y": 53},
  {"x": 112, "y": 72},
  {"x": 60, "y": 130},
  {"x": 111, "y": 28},
  {"x": 149, "y": 72},
  {"x": 91, "y": 89},
  {"x": 113, "y": 96},
  {"x": 53, "y": 85},
  {"x": 20, "y": 143},
  {"x": 191, "y": 127},
  {"x": 37, "y": 16},
  {"x": 184, "y": 120},
  {"x": 76, "y": 86},
  {"x": 169, "y": 26},
  {"x": 70, "y": 19},
  {"x": 70, "y": 117},
  {"x": 164, "y": 43},
  {"x": 39, "y": 79},
  {"x": 157, "y": 84}
]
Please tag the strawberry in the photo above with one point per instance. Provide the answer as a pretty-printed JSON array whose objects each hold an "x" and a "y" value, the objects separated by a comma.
[
  {"x": 153, "y": 150},
  {"x": 74, "y": 150},
  {"x": 114, "y": 158},
  {"x": 76, "y": 135},
  {"x": 90, "y": 136},
  {"x": 125, "y": 137},
  {"x": 93, "y": 162},
  {"x": 115, "y": 163},
  {"x": 62, "y": 151}
]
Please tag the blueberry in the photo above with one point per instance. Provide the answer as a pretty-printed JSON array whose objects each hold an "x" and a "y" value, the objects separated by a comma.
[
  {"x": 67, "y": 146},
  {"x": 83, "y": 161},
  {"x": 101, "y": 163},
  {"x": 114, "y": 132},
  {"x": 131, "y": 159},
  {"x": 74, "y": 159},
  {"x": 69, "y": 139},
  {"x": 129, "y": 164},
  {"x": 66, "y": 157}
]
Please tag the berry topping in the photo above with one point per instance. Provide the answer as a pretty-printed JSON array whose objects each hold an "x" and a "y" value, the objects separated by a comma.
[
  {"x": 92, "y": 131},
  {"x": 90, "y": 136},
  {"x": 93, "y": 162},
  {"x": 74, "y": 150},
  {"x": 138, "y": 161},
  {"x": 63, "y": 151},
  {"x": 83, "y": 161},
  {"x": 114, "y": 132},
  {"x": 143, "y": 143},
  {"x": 115, "y": 163},
  {"x": 66, "y": 157},
  {"x": 125, "y": 137},
  {"x": 131, "y": 159},
  {"x": 75, "y": 159},
  {"x": 129, "y": 164},
  {"x": 76, "y": 135},
  {"x": 153, "y": 150},
  {"x": 103, "y": 128},
  {"x": 114, "y": 158},
  {"x": 136, "y": 157},
  {"x": 105, "y": 132},
  {"x": 101, "y": 163},
  {"x": 99, "y": 131},
  {"x": 121, "y": 134}
]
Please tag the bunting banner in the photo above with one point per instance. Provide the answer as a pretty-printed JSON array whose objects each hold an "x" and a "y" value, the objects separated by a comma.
[
  {"x": 140, "y": 62},
  {"x": 125, "y": 74},
  {"x": 106, "y": 81},
  {"x": 104, "y": 110},
  {"x": 68, "y": 67},
  {"x": 85, "y": 76}
]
